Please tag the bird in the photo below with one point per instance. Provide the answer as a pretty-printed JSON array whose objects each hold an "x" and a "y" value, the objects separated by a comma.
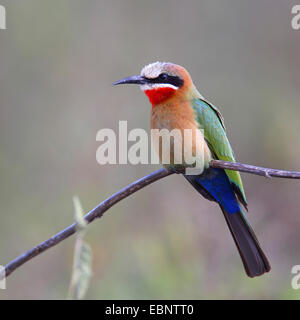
[{"x": 177, "y": 104}]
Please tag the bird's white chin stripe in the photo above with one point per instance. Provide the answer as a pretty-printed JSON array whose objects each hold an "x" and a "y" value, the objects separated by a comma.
[{"x": 152, "y": 86}]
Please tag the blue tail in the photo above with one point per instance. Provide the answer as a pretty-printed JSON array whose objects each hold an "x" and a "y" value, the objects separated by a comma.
[{"x": 214, "y": 185}]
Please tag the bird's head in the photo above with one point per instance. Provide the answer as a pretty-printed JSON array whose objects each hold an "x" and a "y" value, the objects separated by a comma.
[{"x": 161, "y": 81}]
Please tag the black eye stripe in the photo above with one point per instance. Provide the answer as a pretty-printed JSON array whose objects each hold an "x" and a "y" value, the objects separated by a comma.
[{"x": 165, "y": 78}]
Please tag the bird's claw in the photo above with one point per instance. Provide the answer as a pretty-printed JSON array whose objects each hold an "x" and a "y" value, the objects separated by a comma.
[{"x": 177, "y": 170}]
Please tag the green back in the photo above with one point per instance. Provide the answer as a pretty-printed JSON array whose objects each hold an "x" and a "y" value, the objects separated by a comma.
[{"x": 211, "y": 121}]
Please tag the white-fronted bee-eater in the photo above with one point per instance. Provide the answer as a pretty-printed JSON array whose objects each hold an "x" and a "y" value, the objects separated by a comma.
[{"x": 177, "y": 104}]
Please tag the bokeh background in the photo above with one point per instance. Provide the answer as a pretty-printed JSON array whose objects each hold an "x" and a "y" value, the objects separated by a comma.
[{"x": 57, "y": 62}]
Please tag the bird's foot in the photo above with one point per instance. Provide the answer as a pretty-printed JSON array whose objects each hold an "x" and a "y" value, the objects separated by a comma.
[{"x": 176, "y": 169}]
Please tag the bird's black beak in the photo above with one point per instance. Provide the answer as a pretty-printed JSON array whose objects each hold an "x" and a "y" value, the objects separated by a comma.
[{"x": 133, "y": 79}]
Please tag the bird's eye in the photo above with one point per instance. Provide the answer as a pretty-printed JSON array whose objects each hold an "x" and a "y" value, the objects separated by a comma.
[{"x": 163, "y": 76}]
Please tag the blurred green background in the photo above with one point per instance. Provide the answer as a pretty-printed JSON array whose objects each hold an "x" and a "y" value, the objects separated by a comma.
[{"x": 58, "y": 59}]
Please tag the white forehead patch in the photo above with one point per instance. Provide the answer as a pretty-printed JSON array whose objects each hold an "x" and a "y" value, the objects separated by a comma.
[{"x": 152, "y": 70}]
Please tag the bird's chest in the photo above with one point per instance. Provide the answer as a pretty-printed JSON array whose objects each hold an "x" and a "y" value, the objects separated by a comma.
[
  {"x": 175, "y": 126},
  {"x": 173, "y": 116}
]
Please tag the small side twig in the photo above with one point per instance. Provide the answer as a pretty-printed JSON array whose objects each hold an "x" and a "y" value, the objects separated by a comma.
[{"x": 98, "y": 211}]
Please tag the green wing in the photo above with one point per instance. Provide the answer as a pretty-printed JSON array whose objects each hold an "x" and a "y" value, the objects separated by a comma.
[{"x": 211, "y": 121}]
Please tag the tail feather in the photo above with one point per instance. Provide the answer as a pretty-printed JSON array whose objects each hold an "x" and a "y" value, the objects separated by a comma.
[
  {"x": 254, "y": 260},
  {"x": 214, "y": 185}
]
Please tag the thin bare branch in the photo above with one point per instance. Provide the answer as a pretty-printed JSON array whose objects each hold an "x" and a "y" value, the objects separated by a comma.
[
  {"x": 98, "y": 211},
  {"x": 260, "y": 171}
]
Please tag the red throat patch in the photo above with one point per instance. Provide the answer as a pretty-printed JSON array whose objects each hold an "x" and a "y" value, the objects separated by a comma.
[{"x": 158, "y": 95}]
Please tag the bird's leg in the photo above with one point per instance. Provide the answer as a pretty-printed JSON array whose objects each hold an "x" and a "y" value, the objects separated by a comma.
[{"x": 178, "y": 169}]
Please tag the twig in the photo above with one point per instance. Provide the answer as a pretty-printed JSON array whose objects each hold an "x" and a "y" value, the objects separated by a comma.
[
  {"x": 260, "y": 171},
  {"x": 98, "y": 211}
]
